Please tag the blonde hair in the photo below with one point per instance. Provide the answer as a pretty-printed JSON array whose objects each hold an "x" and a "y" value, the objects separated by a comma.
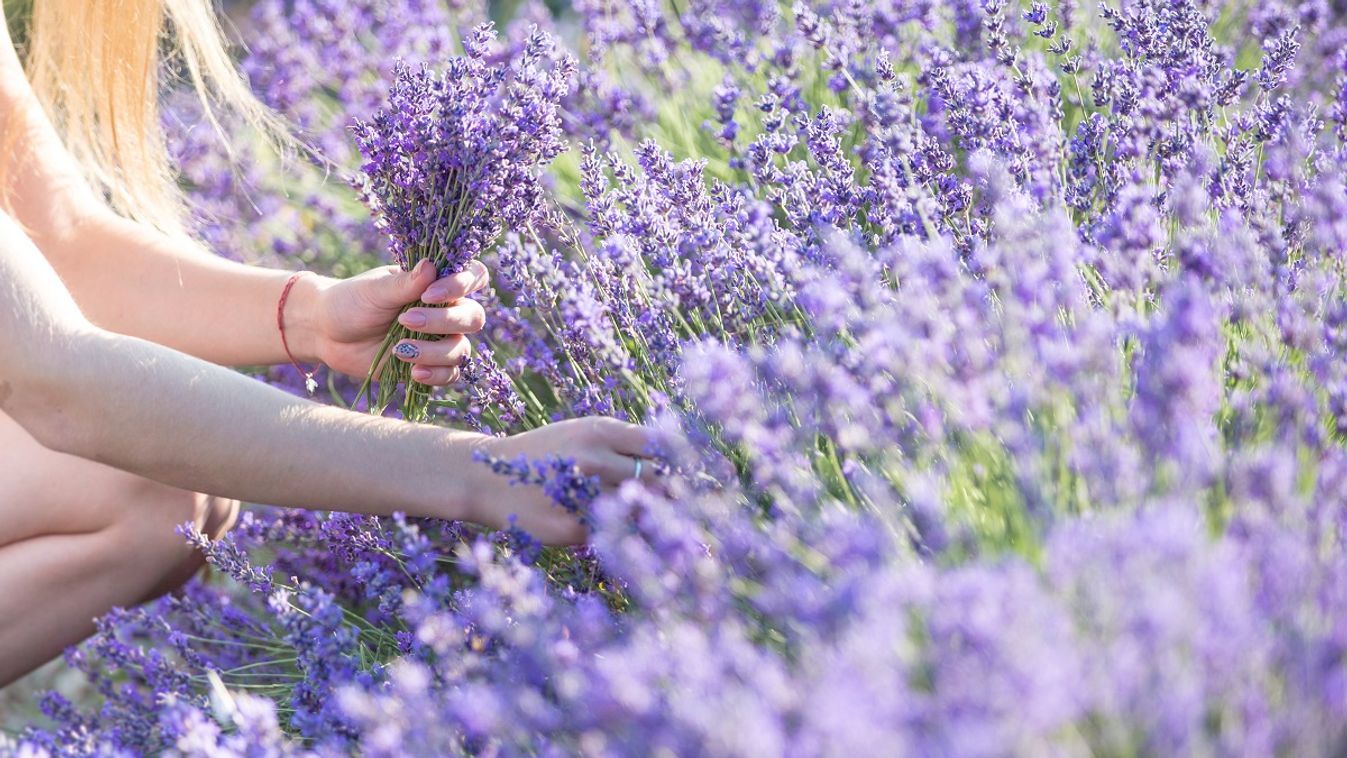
[{"x": 97, "y": 65}]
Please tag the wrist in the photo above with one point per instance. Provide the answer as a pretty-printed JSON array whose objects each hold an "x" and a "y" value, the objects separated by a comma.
[
  {"x": 454, "y": 492},
  {"x": 304, "y": 324}
]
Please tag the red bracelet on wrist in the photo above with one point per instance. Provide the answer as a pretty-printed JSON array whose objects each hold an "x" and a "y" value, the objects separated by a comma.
[{"x": 310, "y": 383}]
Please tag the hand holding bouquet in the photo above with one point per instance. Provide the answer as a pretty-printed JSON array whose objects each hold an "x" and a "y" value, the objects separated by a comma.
[{"x": 451, "y": 162}]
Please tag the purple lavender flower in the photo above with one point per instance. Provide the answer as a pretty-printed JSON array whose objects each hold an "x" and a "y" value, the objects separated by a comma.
[
  {"x": 558, "y": 477},
  {"x": 455, "y": 158},
  {"x": 1178, "y": 390}
]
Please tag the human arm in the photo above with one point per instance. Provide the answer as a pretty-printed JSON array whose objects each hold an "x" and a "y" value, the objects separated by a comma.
[
  {"x": 135, "y": 280},
  {"x": 144, "y": 408}
]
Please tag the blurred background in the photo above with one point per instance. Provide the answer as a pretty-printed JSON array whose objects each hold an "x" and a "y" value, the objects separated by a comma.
[
  {"x": 500, "y": 9},
  {"x": 237, "y": 10}
]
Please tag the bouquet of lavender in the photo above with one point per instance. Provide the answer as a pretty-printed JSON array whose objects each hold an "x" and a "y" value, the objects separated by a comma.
[{"x": 452, "y": 161}]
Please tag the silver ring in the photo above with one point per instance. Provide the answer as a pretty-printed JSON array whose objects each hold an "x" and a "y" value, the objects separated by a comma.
[{"x": 639, "y": 463}]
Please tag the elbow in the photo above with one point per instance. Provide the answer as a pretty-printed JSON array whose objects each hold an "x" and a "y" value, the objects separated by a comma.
[
  {"x": 51, "y": 426},
  {"x": 46, "y": 401}
]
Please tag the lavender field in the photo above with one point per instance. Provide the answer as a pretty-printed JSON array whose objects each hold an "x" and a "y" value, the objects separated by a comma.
[{"x": 998, "y": 353}]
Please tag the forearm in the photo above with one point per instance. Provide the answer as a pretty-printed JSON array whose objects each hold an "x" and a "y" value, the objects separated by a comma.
[
  {"x": 152, "y": 411},
  {"x": 209, "y": 429},
  {"x": 133, "y": 280},
  {"x": 126, "y": 277}
]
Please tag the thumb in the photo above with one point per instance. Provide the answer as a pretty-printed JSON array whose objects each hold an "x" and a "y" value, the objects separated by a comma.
[{"x": 398, "y": 288}]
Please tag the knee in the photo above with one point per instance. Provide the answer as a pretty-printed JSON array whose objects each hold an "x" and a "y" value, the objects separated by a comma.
[
  {"x": 155, "y": 511},
  {"x": 146, "y": 520},
  {"x": 147, "y": 536},
  {"x": 141, "y": 509}
]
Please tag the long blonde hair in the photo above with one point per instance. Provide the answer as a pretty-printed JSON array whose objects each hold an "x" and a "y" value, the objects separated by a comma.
[{"x": 97, "y": 66}]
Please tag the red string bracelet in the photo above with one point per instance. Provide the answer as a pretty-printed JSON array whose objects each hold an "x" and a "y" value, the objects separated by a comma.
[{"x": 310, "y": 383}]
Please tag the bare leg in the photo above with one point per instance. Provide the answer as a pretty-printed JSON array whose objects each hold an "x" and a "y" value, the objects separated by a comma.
[{"x": 78, "y": 538}]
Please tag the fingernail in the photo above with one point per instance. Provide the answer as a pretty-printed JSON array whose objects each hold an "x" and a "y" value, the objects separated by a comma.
[
  {"x": 420, "y": 373},
  {"x": 413, "y": 319},
  {"x": 420, "y": 267},
  {"x": 436, "y": 293},
  {"x": 407, "y": 351}
]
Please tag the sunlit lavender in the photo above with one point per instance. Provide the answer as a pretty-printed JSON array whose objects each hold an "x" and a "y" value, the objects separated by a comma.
[{"x": 998, "y": 353}]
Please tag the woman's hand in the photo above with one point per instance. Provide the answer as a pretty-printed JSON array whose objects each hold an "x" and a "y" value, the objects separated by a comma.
[
  {"x": 352, "y": 318},
  {"x": 601, "y": 447}
]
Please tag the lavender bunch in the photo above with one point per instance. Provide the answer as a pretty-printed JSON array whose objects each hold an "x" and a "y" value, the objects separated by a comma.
[
  {"x": 322, "y": 65},
  {"x": 455, "y": 158}
]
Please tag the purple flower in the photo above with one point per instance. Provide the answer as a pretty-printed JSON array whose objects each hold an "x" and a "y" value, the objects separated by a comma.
[{"x": 455, "y": 158}]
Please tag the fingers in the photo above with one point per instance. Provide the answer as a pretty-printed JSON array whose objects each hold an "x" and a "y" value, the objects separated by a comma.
[
  {"x": 628, "y": 444},
  {"x": 627, "y": 439},
  {"x": 436, "y": 363},
  {"x": 435, "y": 376},
  {"x": 614, "y": 469},
  {"x": 615, "y": 448},
  {"x": 463, "y": 317},
  {"x": 448, "y": 353},
  {"x": 457, "y": 286},
  {"x": 401, "y": 287}
]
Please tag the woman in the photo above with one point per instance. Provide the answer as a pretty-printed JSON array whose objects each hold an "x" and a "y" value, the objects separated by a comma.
[{"x": 115, "y": 413}]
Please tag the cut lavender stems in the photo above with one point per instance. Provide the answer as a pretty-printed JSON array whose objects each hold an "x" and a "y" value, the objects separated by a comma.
[{"x": 455, "y": 158}]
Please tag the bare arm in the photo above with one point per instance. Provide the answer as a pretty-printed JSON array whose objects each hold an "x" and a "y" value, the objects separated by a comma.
[
  {"x": 145, "y": 408},
  {"x": 150, "y": 410},
  {"x": 155, "y": 412},
  {"x": 134, "y": 280},
  {"x": 126, "y": 277}
]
